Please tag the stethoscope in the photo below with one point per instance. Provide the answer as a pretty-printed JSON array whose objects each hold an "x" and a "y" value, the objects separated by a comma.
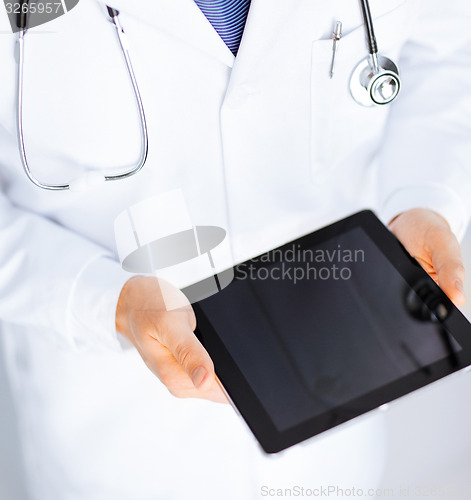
[
  {"x": 375, "y": 81},
  {"x": 91, "y": 178}
]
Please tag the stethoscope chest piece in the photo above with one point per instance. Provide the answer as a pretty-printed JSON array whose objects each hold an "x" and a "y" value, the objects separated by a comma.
[{"x": 375, "y": 81}]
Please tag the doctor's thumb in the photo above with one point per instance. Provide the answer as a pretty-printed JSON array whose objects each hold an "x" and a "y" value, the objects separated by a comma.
[
  {"x": 448, "y": 263},
  {"x": 190, "y": 354}
]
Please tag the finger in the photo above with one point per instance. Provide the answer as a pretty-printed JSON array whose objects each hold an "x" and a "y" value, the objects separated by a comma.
[
  {"x": 447, "y": 261},
  {"x": 219, "y": 394},
  {"x": 164, "y": 365},
  {"x": 215, "y": 394},
  {"x": 175, "y": 333}
]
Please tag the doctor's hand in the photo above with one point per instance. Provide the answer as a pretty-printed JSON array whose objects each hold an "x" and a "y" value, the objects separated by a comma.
[
  {"x": 162, "y": 332},
  {"x": 428, "y": 238}
]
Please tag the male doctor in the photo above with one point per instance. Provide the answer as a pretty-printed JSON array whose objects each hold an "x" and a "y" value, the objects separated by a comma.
[{"x": 263, "y": 143}]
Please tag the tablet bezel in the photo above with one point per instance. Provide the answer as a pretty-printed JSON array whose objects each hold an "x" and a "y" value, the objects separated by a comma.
[{"x": 244, "y": 398}]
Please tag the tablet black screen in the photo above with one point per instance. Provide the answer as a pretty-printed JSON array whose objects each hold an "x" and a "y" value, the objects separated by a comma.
[
  {"x": 314, "y": 328},
  {"x": 317, "y": 326}
]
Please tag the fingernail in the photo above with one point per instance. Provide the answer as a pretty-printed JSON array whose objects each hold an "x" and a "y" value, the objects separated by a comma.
[
  {"x": 459, "y": 285},
  {"x": 198, "y": 375}
]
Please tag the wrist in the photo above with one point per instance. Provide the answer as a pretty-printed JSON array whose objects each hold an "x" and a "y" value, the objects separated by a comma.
[
  {"x": 93, "y": 301},
  {"x": 123, "y": 307}
]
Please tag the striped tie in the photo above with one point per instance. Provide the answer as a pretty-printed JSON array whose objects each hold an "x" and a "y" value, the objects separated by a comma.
[{"x": 228, "y": 19}]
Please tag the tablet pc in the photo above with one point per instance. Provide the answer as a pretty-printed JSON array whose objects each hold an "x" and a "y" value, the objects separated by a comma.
[{"x": 328, "y": 327}]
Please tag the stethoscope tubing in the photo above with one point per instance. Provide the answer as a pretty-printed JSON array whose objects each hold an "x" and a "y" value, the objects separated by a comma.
[
  {"x": 377, "y": 72},
  {"x": 369, "y": 27},
  {"x": 114, "y": 16}
]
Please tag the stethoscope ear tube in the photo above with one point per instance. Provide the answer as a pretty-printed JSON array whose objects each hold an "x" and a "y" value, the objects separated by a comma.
[
  {"x": 370, "y": 32},
  {"x": 89, "y": 179},
  {"x": 22, "y": 18},
  {"x": 112, "y": 12}
]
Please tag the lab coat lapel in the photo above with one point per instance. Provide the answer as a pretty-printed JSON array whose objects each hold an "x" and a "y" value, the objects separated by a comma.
[
  {"x": 266, "y": 19},
  {"x": 179, "y": 18}
]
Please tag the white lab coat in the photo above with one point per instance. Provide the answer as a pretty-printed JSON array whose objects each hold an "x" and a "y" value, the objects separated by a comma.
[{"x": 292, "y": 151}]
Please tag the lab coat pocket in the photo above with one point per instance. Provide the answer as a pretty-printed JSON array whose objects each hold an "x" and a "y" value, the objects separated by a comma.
[
  {"x": 340, "y": 127},
  {"x": 322, "y": 101}
]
